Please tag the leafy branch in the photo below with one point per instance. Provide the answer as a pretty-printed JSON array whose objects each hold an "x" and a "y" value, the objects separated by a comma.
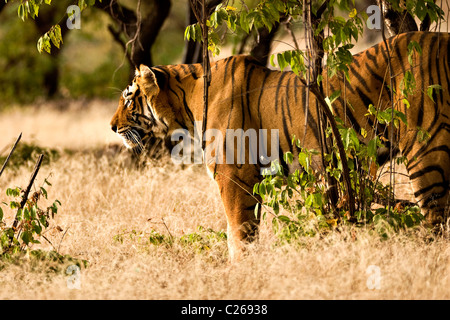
[
  {"x": 30, "y": 219},
  {"x": 30, "y": 9}
]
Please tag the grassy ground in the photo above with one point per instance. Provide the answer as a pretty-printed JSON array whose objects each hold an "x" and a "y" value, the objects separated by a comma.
[{"x": 139, "y": 231}]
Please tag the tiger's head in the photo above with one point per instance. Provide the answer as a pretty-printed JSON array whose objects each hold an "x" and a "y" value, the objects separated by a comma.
[{"x": 143, "y": 112}]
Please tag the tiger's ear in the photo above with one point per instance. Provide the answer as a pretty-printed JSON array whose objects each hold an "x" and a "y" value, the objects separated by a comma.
[{"x": 147, "y": 80}]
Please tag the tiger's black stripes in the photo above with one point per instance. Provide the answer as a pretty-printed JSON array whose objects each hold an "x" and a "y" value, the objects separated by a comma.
[
  {"x": 288, "y": 89},
  {"x": 266, "y": 75},
  {"x": 227, "y": 63},
  {"x": 185, "y": 104},
  {"x": 361, "y": 80},
  {"x": 244, "y": 95},
  {"x": 247, "y": 91},
  {"x": 373, "y": 60},
  {"x": 193, "y": 71},
  {"x": 277, "y": 93}
]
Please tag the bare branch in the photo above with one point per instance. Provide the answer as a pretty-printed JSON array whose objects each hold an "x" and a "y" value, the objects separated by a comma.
[{"x": 10, "y": 153}]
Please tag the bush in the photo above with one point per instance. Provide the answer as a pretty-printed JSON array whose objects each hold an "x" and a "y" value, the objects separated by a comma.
[
  {"x": 29, "y": 223},
  {"x": 26, "y": 153},
  {"x": 307, "y": 205}
]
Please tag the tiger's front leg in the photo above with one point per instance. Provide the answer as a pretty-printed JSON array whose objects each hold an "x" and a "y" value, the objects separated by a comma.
[{"x": 236, "y": 190}]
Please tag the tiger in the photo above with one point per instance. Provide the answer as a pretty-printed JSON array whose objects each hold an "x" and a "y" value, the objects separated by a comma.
[{"x": 244, "y": 94}]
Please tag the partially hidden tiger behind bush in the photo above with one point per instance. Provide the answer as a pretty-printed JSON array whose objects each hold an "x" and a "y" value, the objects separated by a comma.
[{"x": 246, "y": 95}]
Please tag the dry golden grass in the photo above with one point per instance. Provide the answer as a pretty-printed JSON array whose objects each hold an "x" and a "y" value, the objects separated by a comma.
[{"x": 104, "y": 198}]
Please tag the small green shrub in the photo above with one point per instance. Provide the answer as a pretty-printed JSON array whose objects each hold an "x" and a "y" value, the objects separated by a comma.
[
  {"x": 42, "y": 261},
  {"x": 25, "y": 154},
  {"x": 201, "y": 241},
  {"x": 29, "y": 223},
  {"x": 308, "y": 209},
  {"x": 204, "y": 239}
]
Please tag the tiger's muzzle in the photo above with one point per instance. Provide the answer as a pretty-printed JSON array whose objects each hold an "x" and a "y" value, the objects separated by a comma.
[{"x": 133, "y": 138}]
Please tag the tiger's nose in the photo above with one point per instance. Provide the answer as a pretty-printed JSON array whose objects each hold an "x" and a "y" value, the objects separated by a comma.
[{"x": 114, "y": 128}]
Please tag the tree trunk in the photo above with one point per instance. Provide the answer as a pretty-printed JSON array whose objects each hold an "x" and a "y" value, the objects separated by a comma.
[
  {"x": 261, "y": 49},
  {"x": 396, "y": 22},
  {"x": 193, "y": 49},
  {"x": 134, "y": 33}
]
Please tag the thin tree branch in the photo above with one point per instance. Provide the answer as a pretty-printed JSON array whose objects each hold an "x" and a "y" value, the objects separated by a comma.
[
  {"x": 10, "y": 153},
  {"x": 26, "y": 193},
  {"x": 391, "y": 133}
]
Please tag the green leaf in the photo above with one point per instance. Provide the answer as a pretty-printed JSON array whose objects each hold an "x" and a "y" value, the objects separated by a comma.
[
  {"x": 287, "y": 56},
  {"x": 44, "y": 44},
  {"x": 401, "y": 116},
  {"x": 364, "y": 132},
  {"x": 406, "y": 102},
  {"x": 413, "y": 46},
  {"x": 421, "y": 10},
  {"x": 54, "y": 207},
  {"x": 35, "y": 11},
  {"x": 272, "y": 60},
  {"x": 257, "y": 211},
  {"x": 422, "y": 135},
  {"x": 37, "y": 228},
  {"x": 372, "y": 148},
  {"x": 318, "y": 199},
  {"x": 309, "y": 200},
  {"x": 192, "y": 32},
  {"x": 43, "y": 220},
  {"x": 34, "y": 212},
  {"x": 340, "y": 20},
  {"x": 276, "y": 208},
  {"x": 14, "y": 204},
  {"x": 26, "y": 213},
  {"x": 430, "y": 90},
  {"x": 303, "y": 160},
  {"x": 26, "y": 237},
  {"x": 279, "y": 5},
  {"x": 82, "y": 4},
  {"x": 231, "y": 22},
  {"x": 13, "y": 192},
  {"x": 345, "y": 137},
  {"x": 187, "y": 35},
  {"x": 256, "y": 188},
  {"x": 281, "y": 61},
  {"x": 335, "y": 95},
  {"x": 44, "y": 192},
  {"x": 21, "y": 12},
  {"x": 354, "y": 138},
  {"x": 58, "y": 35},
  {"x": 1, "y": 214},
  {"x": 288, "y": 157},
  {"x": 283, "y": 218},
  {"x": 243, "y": 22},
  {"x": 408, "y": 221},
  {"x": 262, "y": 189},
  {"x": 222, "y": 15}
]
